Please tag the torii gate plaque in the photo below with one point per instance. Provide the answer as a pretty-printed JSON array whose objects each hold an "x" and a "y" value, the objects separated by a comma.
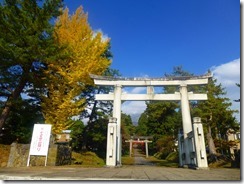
[{"x": 184, "y": 96}]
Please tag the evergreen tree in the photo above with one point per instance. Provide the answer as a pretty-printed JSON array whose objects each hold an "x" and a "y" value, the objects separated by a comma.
[
  {"x": 95, "y": 136},
  {"x": 77, "y": 140},
  {"x": 20, "y": 122},
  {"x": 141, "y": 128},
  {"x": 216, "y": 115},
  {"x": 96, "y": 111},
  {"x": 26, "y": 44},
  {"x": 127, "y": 130}
]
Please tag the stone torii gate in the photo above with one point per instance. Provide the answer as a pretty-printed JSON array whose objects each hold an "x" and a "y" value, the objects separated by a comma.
[{"x": 183, "y": 95}]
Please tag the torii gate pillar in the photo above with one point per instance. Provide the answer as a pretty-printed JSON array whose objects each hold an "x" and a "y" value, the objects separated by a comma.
[
  {"x": 186, "y": 119},
  {"x": 117, "y": 114}
]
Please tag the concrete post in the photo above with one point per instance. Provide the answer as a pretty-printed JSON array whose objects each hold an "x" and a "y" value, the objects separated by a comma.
[
  {"x": 111, "y": 143},
  {"x": 117, "y": 114},
  {"x": 200, "y": 149},
  {"x": 186, "y": 118}
]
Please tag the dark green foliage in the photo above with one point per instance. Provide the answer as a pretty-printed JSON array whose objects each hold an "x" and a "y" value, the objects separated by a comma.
[
  {"x": 95, "y": 132},
  {"x": 162, "y": 118},
  {"x": 141, "y": 128},
  {"x": 98, "y": 108},
  {"x": 20, "y": 123},
  {"x": 26, "y": 45},
  {"x": 165, "y": 146},
  {"x": 216, "y": 115},
  {"x": 128, "y": 126},
  {"x": 159, "y": 119},
  {"x": 127, "y": 130},
  {"x": 77, "y": 135},
  {"x": 95, "y": 137}
]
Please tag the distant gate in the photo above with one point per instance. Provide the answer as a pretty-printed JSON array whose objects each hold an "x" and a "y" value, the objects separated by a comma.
[{"x": 140, "y": 139}]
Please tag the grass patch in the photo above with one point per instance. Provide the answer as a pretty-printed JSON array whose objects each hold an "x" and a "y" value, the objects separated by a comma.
[
  {"x": 87, "y": 159},
  {"x": 127, "y": 160},
  {"x": 220, "y": 164},
  {"x": 163, "y": 163}
]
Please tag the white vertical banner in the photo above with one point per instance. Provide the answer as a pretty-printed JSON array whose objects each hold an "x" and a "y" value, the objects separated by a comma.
[{"x": 40, "y": 140}]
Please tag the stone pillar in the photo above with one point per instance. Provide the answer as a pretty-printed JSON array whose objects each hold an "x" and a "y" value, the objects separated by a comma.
[
  {"x": 181, "y": 148},
  {"x": 200, "y": 148},
  {"x": 186, "y": 118},
  {"x": 111, "y": 143},
  {"x": 117, "y": 114}
]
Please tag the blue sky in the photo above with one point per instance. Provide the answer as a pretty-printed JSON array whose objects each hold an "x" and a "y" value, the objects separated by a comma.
[{"x": 150, "y": 37}]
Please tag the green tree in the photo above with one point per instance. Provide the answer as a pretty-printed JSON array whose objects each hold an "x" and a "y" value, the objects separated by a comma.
[
  {"x": 96, "y": 111},
  {"x": 161, "y": 118},
  {"x": 77, "y": 130},
  {"x": 19, "y": 124},
  {"x": 165, "y": 145},
  {"x": 26, "y": 44},
  {"x": 216, "y": 115},
  {"x": 126, "y": 121},
  {"x": 141, "y": 128},
  {"x": 93, "y": 107},
  {"x": 127, "y": 130},
  {"x": 95, "y": 134}
]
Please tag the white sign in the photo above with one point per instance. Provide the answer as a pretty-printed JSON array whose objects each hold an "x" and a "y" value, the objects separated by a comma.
[{"x": 40, "y": 140}]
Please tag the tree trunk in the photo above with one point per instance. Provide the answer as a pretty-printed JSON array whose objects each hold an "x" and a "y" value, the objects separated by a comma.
[
  {"x": 9, "y": 103},
  {"x": 211, "y": 145}
]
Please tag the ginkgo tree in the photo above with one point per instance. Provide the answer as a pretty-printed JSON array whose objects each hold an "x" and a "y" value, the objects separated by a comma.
[{"x": 85, "y": 53}]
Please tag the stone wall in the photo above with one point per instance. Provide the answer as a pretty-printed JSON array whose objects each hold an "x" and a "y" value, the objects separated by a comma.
[
  {"x": 58, "y": 154},
  {"x": 64, "y": 155},
  {"x": 18, "y": 155}
]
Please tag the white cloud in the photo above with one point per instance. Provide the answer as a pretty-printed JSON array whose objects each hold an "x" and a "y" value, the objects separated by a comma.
[
  {"x": 228, "y": 75},
  {"x": 133, "y": 107},
  {"x": 134, "y": 90},
  {"x": 104, "y": 36}
]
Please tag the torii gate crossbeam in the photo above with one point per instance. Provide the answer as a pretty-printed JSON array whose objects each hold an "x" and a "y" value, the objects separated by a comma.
[
  {"x": 183, "y": 95},
  {"x": 145, "y": 97}
]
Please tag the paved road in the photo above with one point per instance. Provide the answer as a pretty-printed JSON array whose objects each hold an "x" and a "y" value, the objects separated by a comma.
[{"x": 142, "y": 172}]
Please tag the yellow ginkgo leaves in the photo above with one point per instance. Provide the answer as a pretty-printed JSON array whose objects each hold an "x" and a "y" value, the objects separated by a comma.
[{"x": 67, "y": 77}]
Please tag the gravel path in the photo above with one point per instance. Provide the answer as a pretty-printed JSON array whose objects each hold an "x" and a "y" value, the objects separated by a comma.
[{"x": 140, "y": 159}]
